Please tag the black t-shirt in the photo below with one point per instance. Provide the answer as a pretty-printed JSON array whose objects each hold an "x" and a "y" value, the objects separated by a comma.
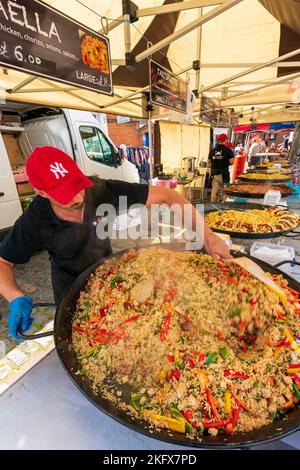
[
  {"x": 72, "y": 246},
  {"x": 220, "y": 158}
]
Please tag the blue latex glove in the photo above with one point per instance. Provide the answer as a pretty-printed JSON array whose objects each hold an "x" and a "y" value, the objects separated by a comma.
[{"x": 19, "y": 316}]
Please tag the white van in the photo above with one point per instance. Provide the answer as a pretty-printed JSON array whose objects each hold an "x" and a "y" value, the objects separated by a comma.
[{"x": 78, "y": 133}]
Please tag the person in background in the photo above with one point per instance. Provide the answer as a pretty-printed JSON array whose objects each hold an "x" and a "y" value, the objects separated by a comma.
[
  {"x": 286, "y": 142},
  {"x": 255, "y": 148},
  {"x": 221, "y": 157},
  {"x": 238, "y": 148}
]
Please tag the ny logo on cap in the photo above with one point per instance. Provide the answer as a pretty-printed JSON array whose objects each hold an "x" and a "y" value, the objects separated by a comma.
[{"x": 58, "y": 170}]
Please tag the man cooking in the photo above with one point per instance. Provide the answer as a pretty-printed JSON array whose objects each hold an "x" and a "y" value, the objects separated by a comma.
[
  {"x": 221, "y": 157},
  {"x": 62, "y": 220}
]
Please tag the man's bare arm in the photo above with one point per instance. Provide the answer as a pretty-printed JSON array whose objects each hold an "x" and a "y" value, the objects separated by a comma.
[
  {"x": 213, "y": 245},
  {"x": 8, "y": 285}
]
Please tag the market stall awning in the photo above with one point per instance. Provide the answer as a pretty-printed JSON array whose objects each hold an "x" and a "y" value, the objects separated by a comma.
[
  {"x": 237, "y": 43},
  {"x": 273, "y": 127}
]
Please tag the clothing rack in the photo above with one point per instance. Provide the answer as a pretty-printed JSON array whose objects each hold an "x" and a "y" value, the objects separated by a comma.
[{"x": 139, "y": 156}]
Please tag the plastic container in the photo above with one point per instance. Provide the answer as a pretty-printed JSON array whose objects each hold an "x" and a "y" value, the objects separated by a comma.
[
  {"x": 274, "y": 254},
  {"x": 272, "y": 197}
]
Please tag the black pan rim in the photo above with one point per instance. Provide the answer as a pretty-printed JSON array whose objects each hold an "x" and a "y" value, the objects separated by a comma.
[
  {"x": 265, "y": 181},
  {"x": 234, "y": 442}
]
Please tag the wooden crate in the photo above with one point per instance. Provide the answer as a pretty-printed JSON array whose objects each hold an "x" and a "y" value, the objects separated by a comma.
[{"x": 13, "y": 149}]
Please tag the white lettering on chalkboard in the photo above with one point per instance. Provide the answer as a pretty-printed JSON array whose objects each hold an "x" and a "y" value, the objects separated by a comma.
[{"x": 18, "y": 14}]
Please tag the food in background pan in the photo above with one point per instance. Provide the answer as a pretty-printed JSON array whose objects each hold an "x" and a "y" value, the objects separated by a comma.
[
  {"x": 259, "y": 176},
  {"x": 259, "y": 189},
  {"x": 269, "y": 220},
  {"x": 187, "y": 343}
]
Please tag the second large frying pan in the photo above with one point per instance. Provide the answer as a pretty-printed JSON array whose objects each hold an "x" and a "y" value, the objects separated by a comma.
[
  {"x": 240, "y": 193},
  {"x": 63, "y": 334},
  {"x": 248, "y": 235}
]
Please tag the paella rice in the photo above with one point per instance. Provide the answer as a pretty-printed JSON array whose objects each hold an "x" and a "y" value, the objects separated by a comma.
[
  {"x": 187, "y": 343},
  {"x": 267, "y": 220}
]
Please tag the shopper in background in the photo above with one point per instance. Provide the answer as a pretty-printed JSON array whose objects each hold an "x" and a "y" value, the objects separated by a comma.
[
  {"x": 238, "y": 148},
  {"x": 221, "y": 157},
  {"x": 255, "y": 148}
]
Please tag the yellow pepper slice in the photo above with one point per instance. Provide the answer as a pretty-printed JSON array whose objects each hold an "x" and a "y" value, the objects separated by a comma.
[
  {"x": 287, "y": 405},
  {"x": 294, "y": 370},
  {"x": 171, "y": 423},
  {"x": 291, "y": 339},
  {"x": 202, "y": 377},
  {"x": 227, "y": 397},
  {"x": 276, "y": 353}
]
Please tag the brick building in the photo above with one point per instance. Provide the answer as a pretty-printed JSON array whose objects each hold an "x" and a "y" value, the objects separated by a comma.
[{"x": 125, "y": 130}]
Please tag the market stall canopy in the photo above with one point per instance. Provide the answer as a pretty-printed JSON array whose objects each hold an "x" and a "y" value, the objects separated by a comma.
[{"x": 237, "y": 44}]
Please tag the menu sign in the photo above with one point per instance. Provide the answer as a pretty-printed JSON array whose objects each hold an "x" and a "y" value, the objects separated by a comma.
[
  {"x": 234, "y": 119},
  {"x": 166, "y": 89},
  {"x": 37, "y": 39},
  {"x": 224, "y": 118},
  {"x": 208, "y": 110}
]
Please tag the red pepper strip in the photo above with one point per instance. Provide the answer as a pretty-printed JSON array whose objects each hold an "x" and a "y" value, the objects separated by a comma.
[
  {"x": 278, "y": 344},
  {"x": 100, "y": 284},
  {"x": 102, "y": 336},
  {"x": 242, "y": 405},
  {"x": 186, "y": 318},
  {"x": 294, "y": 365},
  {"x": 220, "y": 335},
  {"x": 251, "y": 338},
  {"x": 170, "y": 357},
  {"x": 253, "y": 302},
  {"x": 244, "y": 346},
  {"x": 280, "y": 315},
  {"x": 175, "y": 374},
  {"x": 188, "y": 414},
  {"x": 165, "y": 327},
  {"x": 295, "y": 378},
  {"x": 234, "y": 416},
  {"x": 297, "y": 311},
  {"x": 192, "y": 364},
  {"x": 236, "y": 375},
  {"x": 212, "y": 405},
  {"x": 102, "y": 339},
  {"x": 79, "y": 328},
  {"x": 134, "y": 317},
  {"x": 102, "y": 312},
  {"x": 242, "y": 325},
  {"x": 292, "y": 291},
  {"x": 219, "y": 424}
]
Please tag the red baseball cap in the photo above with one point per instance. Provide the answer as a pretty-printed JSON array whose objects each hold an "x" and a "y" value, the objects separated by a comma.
[
  {"x": 230, "y": 145},
  {"x": 222, "y": 137},
  {"x": 54, "y": 172}
]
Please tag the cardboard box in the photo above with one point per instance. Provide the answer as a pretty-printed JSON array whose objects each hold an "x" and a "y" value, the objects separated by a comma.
[{"x": 13, "y": 149}]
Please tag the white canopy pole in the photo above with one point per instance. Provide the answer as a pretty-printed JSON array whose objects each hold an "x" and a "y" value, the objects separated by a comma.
[
  {"x": 187, "y": 29},
  {"x": 277, "y": 82},
  {"x": 180, "y": 6},
  {"x": 251, "y": 70}
]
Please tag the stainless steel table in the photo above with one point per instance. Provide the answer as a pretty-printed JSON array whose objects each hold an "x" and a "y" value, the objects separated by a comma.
[{"x": 44, "y": 410}]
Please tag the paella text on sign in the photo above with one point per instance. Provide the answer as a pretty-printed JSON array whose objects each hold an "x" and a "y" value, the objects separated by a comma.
[{"x": 37, "y": 39}]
